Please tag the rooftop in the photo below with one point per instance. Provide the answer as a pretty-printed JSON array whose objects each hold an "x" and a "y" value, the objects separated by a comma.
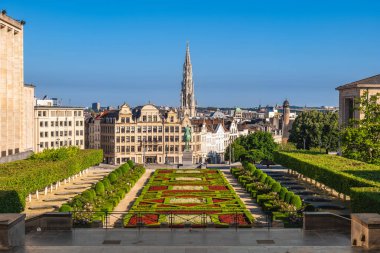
[{"x": 369, "y": 81}]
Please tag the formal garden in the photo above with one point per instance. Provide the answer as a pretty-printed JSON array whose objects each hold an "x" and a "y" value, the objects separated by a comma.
[
  {"x": 177, "y": 198},
  {"x": 276, "y": 200},
  {"x": 19, "y": 179}
]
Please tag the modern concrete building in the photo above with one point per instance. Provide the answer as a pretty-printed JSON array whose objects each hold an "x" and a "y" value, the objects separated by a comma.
[
  {"x": 58, "y": 126},
  {"x": 348, "y": 93},
  {"x": 16, "y": 99}
]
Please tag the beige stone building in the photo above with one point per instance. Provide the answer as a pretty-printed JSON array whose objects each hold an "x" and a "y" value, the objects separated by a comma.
[
  {"x": 58, "y": 126},
  {"x": 16, "y": 99},
  {"x": 348, "y": 93},
  {"x": 144, "y": 134}
]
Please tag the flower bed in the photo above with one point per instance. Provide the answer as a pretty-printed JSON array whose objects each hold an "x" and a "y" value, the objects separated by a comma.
[{"x": 195, "y": 197}]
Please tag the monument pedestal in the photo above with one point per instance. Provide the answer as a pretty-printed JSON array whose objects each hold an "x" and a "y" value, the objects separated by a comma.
[{"x": 187, "y": 158}]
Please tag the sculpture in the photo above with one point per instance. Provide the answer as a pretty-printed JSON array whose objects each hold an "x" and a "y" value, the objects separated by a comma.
[{"x": 187, "y": 138}]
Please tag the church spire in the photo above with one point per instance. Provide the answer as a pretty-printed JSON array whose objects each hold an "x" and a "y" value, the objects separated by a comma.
[{"x": 187, "y": 91}]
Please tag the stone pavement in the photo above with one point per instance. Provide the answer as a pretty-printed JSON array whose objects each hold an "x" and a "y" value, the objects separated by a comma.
[
  {"x": 251, "y": 205},
  {"x": 185, "y": 240},
  {"x": 126, "y": 203},
  {"x": 56, "y": 196}
]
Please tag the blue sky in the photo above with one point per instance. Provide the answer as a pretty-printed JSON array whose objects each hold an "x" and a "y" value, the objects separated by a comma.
[{"x": 244, "y": 53}]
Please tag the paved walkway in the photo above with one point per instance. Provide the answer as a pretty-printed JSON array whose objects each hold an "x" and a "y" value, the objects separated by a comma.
[
  {"x": 252, "y": 206},
  {"x": 67, "y": 189},
  {"x": 185, "y": 240},
  {"x": 130, "y": 197}
]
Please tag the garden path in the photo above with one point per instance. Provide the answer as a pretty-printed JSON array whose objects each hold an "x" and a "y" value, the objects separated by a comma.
[
  {"x": 252, "y": 206},
  {"x": 126, "y": 203},
  {"x": 57, "y": 196}
]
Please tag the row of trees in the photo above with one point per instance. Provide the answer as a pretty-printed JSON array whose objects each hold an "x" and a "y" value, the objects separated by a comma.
[
  {"x": 359, "y": 139},
  {"x": 253, "y": 147}
]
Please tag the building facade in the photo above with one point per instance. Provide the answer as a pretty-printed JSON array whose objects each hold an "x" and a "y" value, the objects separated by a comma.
[
  {"x": 58, "y": 126},
  {"x": 350, "y": 92},
  {"x": 16, "y": 99}
]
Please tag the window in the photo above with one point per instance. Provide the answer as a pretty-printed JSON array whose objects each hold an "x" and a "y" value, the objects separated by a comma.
[
  {"x": 44, "y": 113},
  {"x": 41, "y": 134},
  {"x": 149, "y": 118},
  {"x": 144, "y": 118},
  {"x": 144, "y": 129},
  {"x": 65, "y": 133},
  {"x": 81, "y": 132},
  {"x": 159, "y": 138},
  {"x": 127, "y": 139},
  {"x": 46, "y": 123},
  {"x": 171, "y": 119},
  {"x": 81, "y": 142},
  {"x": 70, "y": 133},
  {"x": 52, "y": 123},
  {"x": 52, "y": 144},
  {"x": 118, "y": 139},
  {"x": 76, "y": 123},
  {"x": 117, "y": 149},
  {"x": 65, "y": 123},
  {"x": 149, "y": 129},
  {"x": 154, "y": 129},
  {"x": 75, "y": 114},
  {"x": 132, "y": 129},
  {"x": 39, "y": 113},
  {"x": 56, "y": 123},
  {"x": 127, "y": 129},
  {"x": 139, "y": 129},
  {"x": 122, "y": 149},
  {"x": 46, "y": 134},
  {"x": 77, "y": 133},
  {"x": 172, "y": 129},
  {"x": 122, "y": 129},
  {"x": 166, "y": 129},
  {"x": 60, "y": 133},
  {"x": 41, "y": 123},
  {"x": 127, "y": 120},
  {"x": 117, "y": 129},
  {"x": 155, "y": 118},
  {"x": 177, "y": 129},
  {"x": 70, "y": 123},
  {"x": 122, "y": 120},
  {"x": 160, "y": 129},
  {"x": 122, "y": 139},
  {"x": 52, "y": 133},
  {"x": 166, "y": 138},
  {"x": 132, "y": 148}
]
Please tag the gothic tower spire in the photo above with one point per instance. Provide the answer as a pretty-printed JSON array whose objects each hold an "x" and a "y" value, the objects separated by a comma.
[{"x": 187, "y": 91}]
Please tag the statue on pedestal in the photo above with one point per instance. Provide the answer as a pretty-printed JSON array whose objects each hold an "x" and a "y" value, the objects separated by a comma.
[{"x": 187, "y": 138}]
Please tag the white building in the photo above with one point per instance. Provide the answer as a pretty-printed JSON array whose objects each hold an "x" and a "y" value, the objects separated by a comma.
[{"x": 58, "y": 126}]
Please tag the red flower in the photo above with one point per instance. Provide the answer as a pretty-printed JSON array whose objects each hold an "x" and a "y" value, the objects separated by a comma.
[
  {"x": 232, "y": 218},
  {"x": 158, "y": 188},
  {"x": 145, "y": 218},
  {"x": 218, "y": 188}
]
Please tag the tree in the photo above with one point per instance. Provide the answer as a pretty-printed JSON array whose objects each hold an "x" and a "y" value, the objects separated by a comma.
[
  {"x": 253, "y": 147},
  {"x": 313, "y": 129},
  {"x": 361, "y": 138}
]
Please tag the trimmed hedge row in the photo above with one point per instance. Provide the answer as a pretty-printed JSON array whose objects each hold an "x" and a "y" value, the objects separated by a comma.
[
  {"x": 333, "y": 171},
  {"x": 365, "y": 200},
  {"x": 105, "y": 195},
  {"x": 18, "y": 179}
]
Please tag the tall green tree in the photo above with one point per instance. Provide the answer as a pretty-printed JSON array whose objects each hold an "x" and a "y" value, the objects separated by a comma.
[
  {"x": 361, "y": 138},
  {"x": 312, "y": 129},
  {"x": 253, "y": 147}
]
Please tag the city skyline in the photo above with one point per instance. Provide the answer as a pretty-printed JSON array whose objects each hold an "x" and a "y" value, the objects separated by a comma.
[{"x": 250, "y": 53}]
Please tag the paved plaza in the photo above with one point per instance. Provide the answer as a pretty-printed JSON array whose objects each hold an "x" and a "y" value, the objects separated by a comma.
[{"x": 185, "y": 240}]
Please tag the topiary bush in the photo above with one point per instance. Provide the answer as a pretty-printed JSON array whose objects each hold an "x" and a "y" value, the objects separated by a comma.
[
  {"x": 112, "y": 177},
  {"x": 288, "y": 197},
  {"x": 282, "y": 193},
  {"x": 263, "y": 177},
  {"x": 276, "y": 187},
  {"x": 106, "y": 183},
  {"x": 99, "y": 188},
  {"x": 296, "y": 201},
  {"x": 65, "y": 208},
  {"x": 131, "y": 164},
  {"x": 124, "y": 168}
]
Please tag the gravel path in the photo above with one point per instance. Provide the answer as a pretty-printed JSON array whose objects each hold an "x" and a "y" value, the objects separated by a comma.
[{"x": 126, "y": 203}]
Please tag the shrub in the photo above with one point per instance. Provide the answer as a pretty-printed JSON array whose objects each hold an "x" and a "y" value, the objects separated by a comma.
[
  {"x": 276, "y": 187},
  {"x": 112, "y": 177},
  {"x": 124, "y": 168},
  {"x": 20, "y": 178},
  {"x": 65, "y": 208},
  {"x": 87, "y": 195},
  {"x": 288, "y": 196},
  {"x": 263, "y": 177},
  {"x": 365, "y": 200},
  {"x": 99, "y": 188},
  {"x": 257, "y": 173},
  {"x": 106, "y": 183},
  {"x": 296, "y": 201},
  {"x": 131, "y": 164},
  {"x": 283, "y": 192}
]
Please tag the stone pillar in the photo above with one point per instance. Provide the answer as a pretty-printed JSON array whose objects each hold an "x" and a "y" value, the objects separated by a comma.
[
  {"x": 365, "y": 230},
  {"x": 12, "y": 230}
]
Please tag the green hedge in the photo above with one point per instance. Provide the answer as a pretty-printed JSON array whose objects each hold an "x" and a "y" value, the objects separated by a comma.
[
  {"x": 334, "y": 171},
  {"x": 18, "y": 179},
  {"x": 365, "y": 200}
]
